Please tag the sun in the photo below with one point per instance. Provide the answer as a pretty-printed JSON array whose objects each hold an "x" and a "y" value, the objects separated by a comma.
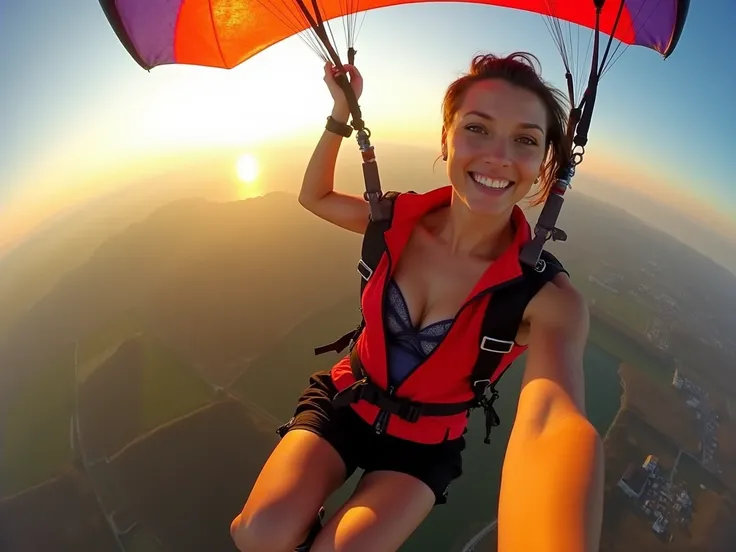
[{"x": 247, "y": 168}]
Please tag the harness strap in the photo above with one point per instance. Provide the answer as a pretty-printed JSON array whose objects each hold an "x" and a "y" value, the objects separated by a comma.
[
  {"x": 374, "y": 244},
  {"x": 501, "y": 321},
  {"x": 411, "y": 411},
  {"x": 372, "y": 250},
  {"x": 342, "y": 342}
]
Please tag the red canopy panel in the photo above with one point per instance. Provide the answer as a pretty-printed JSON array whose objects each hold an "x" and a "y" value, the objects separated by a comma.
[{"x": 225, "y": 33}]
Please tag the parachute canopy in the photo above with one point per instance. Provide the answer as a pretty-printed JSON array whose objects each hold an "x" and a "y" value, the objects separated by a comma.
[{"x": 225, "y": 33}]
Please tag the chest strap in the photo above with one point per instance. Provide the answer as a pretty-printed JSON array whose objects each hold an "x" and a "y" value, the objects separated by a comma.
[{"x": 363, "y": 389}]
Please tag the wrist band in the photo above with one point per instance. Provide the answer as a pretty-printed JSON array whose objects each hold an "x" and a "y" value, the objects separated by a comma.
[{"x": 337, "y": 127}]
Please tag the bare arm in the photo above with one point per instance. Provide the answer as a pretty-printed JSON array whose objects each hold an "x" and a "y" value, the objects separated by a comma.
[
  {"x": 317, "y": 193},
  {"x": 552, "y": 483}
]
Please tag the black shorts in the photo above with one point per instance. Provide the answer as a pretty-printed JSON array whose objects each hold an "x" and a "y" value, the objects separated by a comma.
[{"x": 358, "y": 445}]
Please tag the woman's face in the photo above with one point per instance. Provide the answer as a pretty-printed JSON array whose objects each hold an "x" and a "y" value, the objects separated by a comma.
[{"x": 495, "y": 146}]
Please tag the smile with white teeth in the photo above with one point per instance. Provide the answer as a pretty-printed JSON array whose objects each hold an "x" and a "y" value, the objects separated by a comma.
[{"x": 490, "y": 182}]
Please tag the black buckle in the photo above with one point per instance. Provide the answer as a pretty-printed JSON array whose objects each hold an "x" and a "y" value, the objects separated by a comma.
[
  {"x": 373, "y": 196},
  {"x": 503, "y": 346},
  {"x": 351, "y": 394},
  {"x": 480, "y": 386},
  {"x": 492, "y": 420},
  {"x": 409, "y": 411},
  {"x": 364, "y": 270},
  {"x": 479, "y": 389},
  {"x": 366, "y": 391}
]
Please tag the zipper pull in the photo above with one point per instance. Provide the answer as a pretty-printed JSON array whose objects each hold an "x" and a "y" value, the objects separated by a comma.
[
  {"x": 382, "y": 420},
  {"x": 380, "y": 423}
]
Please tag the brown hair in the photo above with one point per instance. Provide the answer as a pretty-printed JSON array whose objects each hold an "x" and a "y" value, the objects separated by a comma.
[{"x": 519, "y": 69}]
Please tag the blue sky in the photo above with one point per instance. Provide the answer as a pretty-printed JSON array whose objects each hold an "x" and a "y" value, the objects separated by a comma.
[{"x": 69, "y": 84}]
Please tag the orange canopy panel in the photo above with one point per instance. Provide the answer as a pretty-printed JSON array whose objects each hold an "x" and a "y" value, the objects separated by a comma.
[{"x": 224, "y": 33}]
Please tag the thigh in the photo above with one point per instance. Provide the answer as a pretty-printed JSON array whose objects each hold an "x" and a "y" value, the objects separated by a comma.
[
  {"x": 437, "y": 466},
  {"x": 341, "y": 428},
  {"x": 302, "y": 471},
  {"x": 382, "y": 513},
  {"x": 314, "y": 457}
]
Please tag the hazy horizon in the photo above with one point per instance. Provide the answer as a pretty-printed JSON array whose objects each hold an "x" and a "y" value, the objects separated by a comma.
[{"x": 211, "y": 175}]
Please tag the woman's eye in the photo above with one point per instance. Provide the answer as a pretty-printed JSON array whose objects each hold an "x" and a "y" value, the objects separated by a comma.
[
  {"x": 472, "y": 128},
  {"x": 479, "y": 129}
]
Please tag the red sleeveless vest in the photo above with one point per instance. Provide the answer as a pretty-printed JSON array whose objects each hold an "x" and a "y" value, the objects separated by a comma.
[{"x": 443, "y": 376}]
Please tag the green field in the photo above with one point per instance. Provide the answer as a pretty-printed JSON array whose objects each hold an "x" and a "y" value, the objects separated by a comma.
[
  {"x": 645, "y": 357},
  {"x": 141, "y": 540},
  {"x": 36, "y": 428},
  {"x": 36, "y": 431},
  {"x": 95, "y": 348},
  {"x": 170, "y": 386},
  {"x": 624, "y": 308},
  {"x": 292, "y": 359},
  {"x": 689, "y": 470},
  {"x": 143, "y": 385}
]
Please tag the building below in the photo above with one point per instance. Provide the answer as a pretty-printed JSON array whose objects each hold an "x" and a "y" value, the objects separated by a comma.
[
  {"x": 660, "y": 499},
  {"x": 677, "y": 380},
  {"x": 660, "y": 524},
  {"x": 634, "y": 481},
  {"x": 650, "y": 464}
]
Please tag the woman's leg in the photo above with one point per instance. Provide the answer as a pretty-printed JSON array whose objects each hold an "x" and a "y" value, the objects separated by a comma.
[
  {"x": 317, "y": 453},
  {"x": 383, "y": 512},
  {"x": 401, "y": 484},
  {"x": 301, "y": 473}
]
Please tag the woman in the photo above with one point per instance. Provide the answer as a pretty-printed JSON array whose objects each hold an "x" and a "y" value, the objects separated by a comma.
[{"x": 503, "y": 131}]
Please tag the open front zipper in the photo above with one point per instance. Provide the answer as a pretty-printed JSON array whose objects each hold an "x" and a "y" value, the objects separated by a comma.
[{"x": 379, "y": 426}]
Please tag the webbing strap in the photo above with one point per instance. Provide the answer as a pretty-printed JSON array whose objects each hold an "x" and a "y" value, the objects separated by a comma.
[
  {"x": 340, "y": 343},
  {"x": 504, "y": 314},
  {"x": 372, "y": 250},
  {"x": 364, "y": 389},
  {"x": 501, "y": 320},
  {"x": 374, "y": 244},
  {"x": 545, "y": 228},
  {"x": 497, "y": 333}
]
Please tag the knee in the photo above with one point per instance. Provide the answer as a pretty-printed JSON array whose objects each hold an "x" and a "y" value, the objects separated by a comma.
[{"x": 269, "y": 529}]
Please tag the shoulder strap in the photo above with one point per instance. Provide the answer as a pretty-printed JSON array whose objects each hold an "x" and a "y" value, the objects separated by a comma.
[
  {"x": 503, "y": 316},
  {"x": 501, "y": 320},
  {"x": 372, "y": 250},
  {"x": 374, "y": 244}
]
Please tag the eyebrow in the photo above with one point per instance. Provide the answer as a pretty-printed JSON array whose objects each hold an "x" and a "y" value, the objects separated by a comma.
[{"x": 490, "y": 118}]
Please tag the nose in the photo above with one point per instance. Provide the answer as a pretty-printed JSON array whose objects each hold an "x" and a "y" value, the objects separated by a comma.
[{"x": 497, "y": 151}]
